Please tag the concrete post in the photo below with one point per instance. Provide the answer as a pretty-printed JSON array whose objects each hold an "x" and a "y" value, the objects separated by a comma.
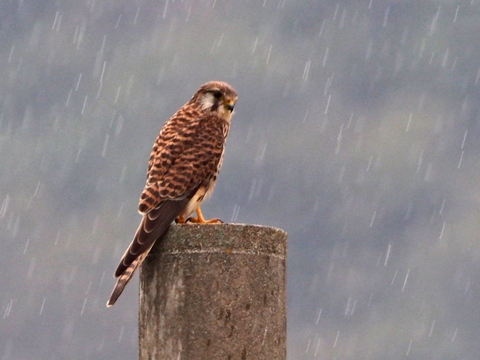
[{"x": 214, "y": 292}]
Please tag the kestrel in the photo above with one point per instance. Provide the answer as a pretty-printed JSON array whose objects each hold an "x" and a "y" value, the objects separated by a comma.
[{"x": 183, "y": 167}]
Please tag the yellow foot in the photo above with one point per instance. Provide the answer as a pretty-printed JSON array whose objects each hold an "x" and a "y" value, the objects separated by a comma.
[
  {"x": 201, "y": 220},
  {"x": 180, "y": 220}
]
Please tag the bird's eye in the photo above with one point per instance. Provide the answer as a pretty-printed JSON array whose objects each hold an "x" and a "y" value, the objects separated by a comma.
[{"x": 217, "y": 94}]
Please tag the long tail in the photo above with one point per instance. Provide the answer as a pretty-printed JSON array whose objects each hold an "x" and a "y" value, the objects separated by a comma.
[
  {"x": 123, "y": 279},
  {"x": 153, "y": 225}
]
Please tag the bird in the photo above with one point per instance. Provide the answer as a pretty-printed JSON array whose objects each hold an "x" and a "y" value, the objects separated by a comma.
[{"x": 184, "y": 164}]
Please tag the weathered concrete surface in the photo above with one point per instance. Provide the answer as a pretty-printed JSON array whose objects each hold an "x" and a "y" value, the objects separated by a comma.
[{"x": 214, "y": 292}]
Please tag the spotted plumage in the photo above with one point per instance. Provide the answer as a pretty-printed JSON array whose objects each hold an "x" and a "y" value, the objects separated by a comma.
[{"x": 185, "y": 161}]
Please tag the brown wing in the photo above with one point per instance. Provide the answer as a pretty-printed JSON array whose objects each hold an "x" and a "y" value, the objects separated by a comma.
[
  {"x": 175, "y": 137},
  {"x": 187, "y": 161}
]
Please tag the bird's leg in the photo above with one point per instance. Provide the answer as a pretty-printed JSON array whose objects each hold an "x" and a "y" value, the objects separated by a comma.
[{"x": 201, "y": 220}]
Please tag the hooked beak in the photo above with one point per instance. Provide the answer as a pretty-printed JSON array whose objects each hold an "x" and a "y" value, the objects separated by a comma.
[{"x": 230, "y": 104}]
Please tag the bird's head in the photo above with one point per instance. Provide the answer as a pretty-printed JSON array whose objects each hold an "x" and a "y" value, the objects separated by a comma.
[{"x": 218, "y": 97}]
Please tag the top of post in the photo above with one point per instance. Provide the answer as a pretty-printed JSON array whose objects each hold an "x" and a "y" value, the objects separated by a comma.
[{"x": 230, "y": 238}]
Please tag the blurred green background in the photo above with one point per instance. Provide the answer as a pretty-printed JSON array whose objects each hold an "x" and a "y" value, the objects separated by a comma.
[{"x": 356, "y": 130}]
